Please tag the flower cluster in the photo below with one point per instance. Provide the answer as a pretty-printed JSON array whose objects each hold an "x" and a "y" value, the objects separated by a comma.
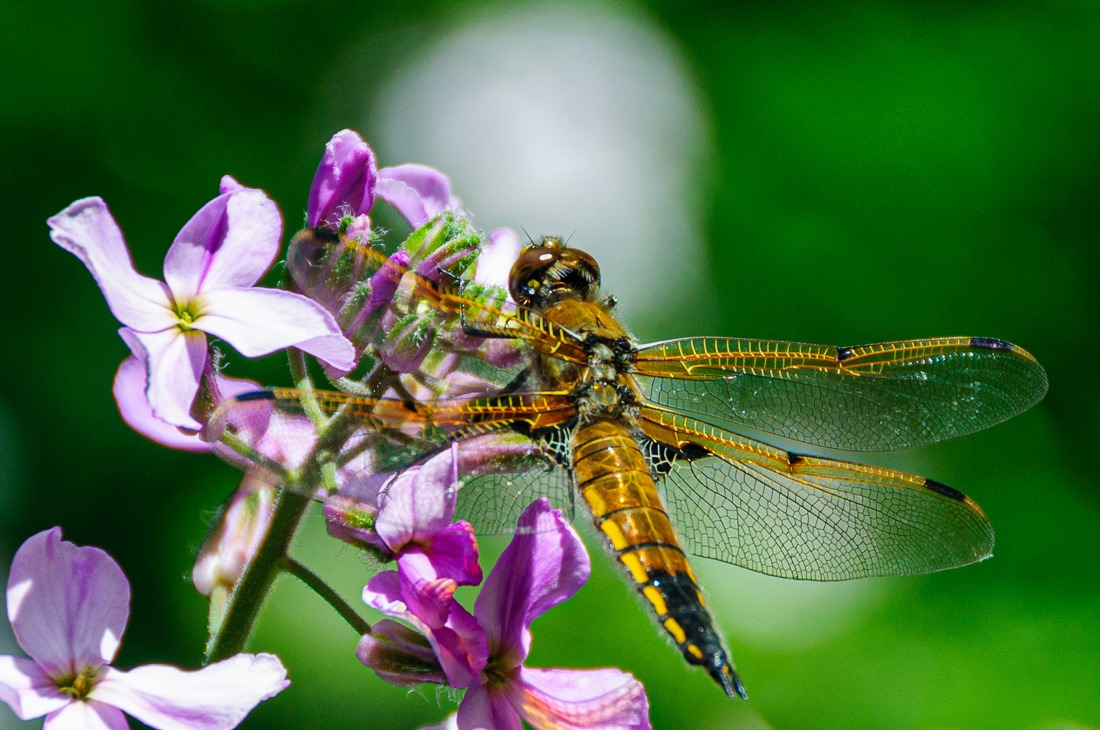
[
  {"x": 392, "y": 341},
  {"x": 483, "y": 652}
]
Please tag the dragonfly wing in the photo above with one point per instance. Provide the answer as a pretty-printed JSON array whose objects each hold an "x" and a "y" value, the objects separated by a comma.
[
  {"x": 370, "y": 446},
  {"x": 495, "y": 491},
  {"x": 493, "y": 503},
  {"x": 882, "y": 397},
  {"x": 743, "y": 502},
  {"x": 492, "y": 478},
  {"x": 285, "y": 432}
]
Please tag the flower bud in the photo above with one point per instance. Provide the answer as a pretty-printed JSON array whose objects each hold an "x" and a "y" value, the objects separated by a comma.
[
  {"x": 444, "y": 248},
  {"x": 234, "y": 539},
  {"x": 407, "y": 341},
  {"x": 350, "y": 520},
  {"x": 326, "y": 266},
  {"x": 400, "y": 655},
  {"x": 344, "y": 182}
]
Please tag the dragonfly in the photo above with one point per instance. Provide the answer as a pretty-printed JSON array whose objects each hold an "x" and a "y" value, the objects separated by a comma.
[{"x": 688, "y": 447}]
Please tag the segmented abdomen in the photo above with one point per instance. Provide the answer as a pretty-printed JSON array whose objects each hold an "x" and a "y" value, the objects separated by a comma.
[{"x": 614, "y": 479}]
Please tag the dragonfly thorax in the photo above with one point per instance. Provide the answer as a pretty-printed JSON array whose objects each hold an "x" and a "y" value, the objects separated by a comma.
[{"x": 601, "y": 363}]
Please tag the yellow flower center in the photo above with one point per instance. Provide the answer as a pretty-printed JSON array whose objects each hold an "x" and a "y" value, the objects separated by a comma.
[
  {"x": 185, "y": 317},
  {"x": 80, "y": 686}
]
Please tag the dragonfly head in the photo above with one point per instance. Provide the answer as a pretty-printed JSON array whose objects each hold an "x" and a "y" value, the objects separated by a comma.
[{"x": 548, "y": 272}]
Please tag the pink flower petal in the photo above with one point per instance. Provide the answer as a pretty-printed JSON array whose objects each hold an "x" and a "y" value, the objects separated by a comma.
[
  {"x": 494, "y": 263},
  {"x": 418, "y": 192},
  {"x": 460, "y": 645},
  {"x": 335, "y": 351},
  {"x": 68, "y": 605},
  {"x": 131, "y": 380},
  {"x": 86, "y": 716},
  {"x": 418, "y": 501},
  {"x": 229, "y": 184},
  {"x": 217, "y": 696},
  {"x": 454, "y": 553},
  {"x": 590, "y": 699},
  {"x": 543, "y": 565},
  {"x": 27, "y": 689},
  {"x": 175, "y": 361},
  {"x": 259, "y": 321},
  {"x": 383, "y": 592},
  {"x": 427, "y": 595},
  {"x": 344, "y": 181},
  {"x": 486, "y": 707},
  {"x": 87, "y": 230},
  {"x": 230, "y": 242},
  {"x": 130, "y": 385}
]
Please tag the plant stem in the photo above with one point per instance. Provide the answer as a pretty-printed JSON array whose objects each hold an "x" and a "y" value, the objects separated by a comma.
[
  {"x": 299, "y": 370},
  {"x": 248, "y": 595},
  {"x": 326, "y": 592}
]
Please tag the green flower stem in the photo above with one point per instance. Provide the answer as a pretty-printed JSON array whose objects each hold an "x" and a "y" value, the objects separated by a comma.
[
  {"x": 236, "y": 617},
  {"x": 299, "y": 370},
  {"x": 248, "y": 595},
  {"x": 326, "y": 592}
]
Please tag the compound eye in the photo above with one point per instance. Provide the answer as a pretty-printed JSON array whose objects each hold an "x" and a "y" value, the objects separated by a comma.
[
  {"x": 548, "y": 272},
  {"x": 532, "y": 263}
]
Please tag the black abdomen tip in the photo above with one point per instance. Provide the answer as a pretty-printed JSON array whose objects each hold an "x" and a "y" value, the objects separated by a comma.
[{"x": 728, "y": 678}]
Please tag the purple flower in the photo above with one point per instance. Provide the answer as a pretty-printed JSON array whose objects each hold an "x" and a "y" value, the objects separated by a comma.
[
  {"x": 329, "y": 260},
  {"x": 413, "y": 525},
  {"x": 210, "y": 272},
  {"x": 348, "y": 178},
  {"x": 133, "y": 403},
  {"x": 544, "y": 564},
  {"x": 68, "y": 607},
  {"x": 344, "y": 181}
]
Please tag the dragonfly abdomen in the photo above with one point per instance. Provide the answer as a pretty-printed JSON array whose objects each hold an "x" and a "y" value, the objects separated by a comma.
[{"x": 614, "y": 480}]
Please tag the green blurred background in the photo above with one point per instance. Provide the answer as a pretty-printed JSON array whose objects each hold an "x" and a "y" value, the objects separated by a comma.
[{"x": 833, "y": 172}]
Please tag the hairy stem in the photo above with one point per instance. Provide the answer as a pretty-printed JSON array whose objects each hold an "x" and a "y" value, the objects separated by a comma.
[
  {"x": 299, "y": 370},
  {"x": 326, "y": 592},
  {"x": 248, "y": 595}
]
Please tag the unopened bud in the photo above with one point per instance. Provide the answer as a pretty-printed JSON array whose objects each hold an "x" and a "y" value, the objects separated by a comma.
[
  {"x": 232, "y": 542},
  {"x": 400, "y": 655},
  {"x": 351, "y": 521}
]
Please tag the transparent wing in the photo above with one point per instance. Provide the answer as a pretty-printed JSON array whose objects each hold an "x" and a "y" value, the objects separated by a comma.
[
  {"x": 882, "y": 397},
  {"x": 743, "y": 502},
  {"x": 360, "y": 447},
  {"x": 493, "y": 502},
  {"x": 496, "y": 476}
]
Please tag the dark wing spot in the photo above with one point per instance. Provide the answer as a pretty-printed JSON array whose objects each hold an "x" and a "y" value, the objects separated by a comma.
[
  {"x": 990, "y": 343},
  {"x": 944, "y": 490},
  {"x": 661, "y": 457},
  {"x": 255, "y": 395},
  {"x": 843, "y": 353}
]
